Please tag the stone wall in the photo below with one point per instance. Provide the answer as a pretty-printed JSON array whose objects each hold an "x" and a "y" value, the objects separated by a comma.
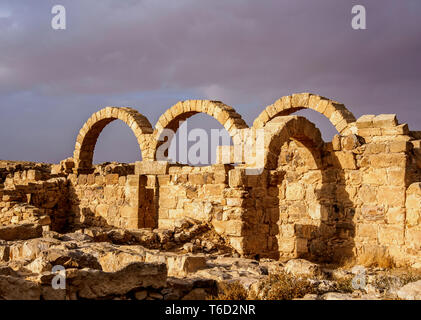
[
  {"x": 110, "y": 200},
  {"x": 358, "y": 194},
  {"x": 31, "y": 194},
  {"x": 194, "y": 192}
]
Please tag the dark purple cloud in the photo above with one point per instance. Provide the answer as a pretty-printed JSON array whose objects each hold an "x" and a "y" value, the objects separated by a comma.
[{"x": 150, "y": 54}]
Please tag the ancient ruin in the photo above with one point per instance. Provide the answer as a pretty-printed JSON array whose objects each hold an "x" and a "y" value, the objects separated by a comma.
[{"x": 326, "y": 202}]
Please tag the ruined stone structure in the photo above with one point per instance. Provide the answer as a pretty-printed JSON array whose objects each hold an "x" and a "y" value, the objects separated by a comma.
[{"x": 359, "y": 193}]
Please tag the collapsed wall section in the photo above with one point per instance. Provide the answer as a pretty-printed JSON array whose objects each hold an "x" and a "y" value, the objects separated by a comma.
[
  {"x": 30, "y": 194},
  {"x": 207, "y": 194}
]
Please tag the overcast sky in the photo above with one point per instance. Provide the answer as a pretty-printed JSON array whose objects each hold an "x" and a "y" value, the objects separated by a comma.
[{"x": 151, "y": 54}]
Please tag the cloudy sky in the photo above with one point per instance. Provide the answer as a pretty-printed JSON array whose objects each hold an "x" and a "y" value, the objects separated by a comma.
[{"x": 151, "y": 54}]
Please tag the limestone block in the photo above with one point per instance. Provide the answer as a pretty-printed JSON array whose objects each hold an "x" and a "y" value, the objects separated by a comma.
[
  {"x": 82, "y": 179},
  {"x": 164, "y": 180},
  {"x": 90, "y": 179},
  {"x": 111, "y": 178},
  {"x": 197, "y": 210},
  {"x": 197, "y": 178},
  {"x": 416, "y": 144},
  {"x": 150, "y": 167},
  {"x": 401, "y": 129},
  {"x": 385, "y": 121},
  {"x": 220, "y": 177},
  {"x": 121, "y": 180},
  {"x": 392, "y": 196},
  {"x": 167, "y": 201},
  {"x": 232, "y": 227},
  {"x": 350, "y": 142},
  {"x": 129, "y": 212},
  {"x": 313, "y": 177},
  {"x": 369, "y": 132},
  {"x": 34, "y": 175},
  {"x": 286, "y": 245},
  {"x": 415, "y": 188},
  {"x": 390, "y": 234},
  {"x": 336, "y": 117},
  {"x": 411, "y": 291},
  {"x": 375, "y": 148},
  {"x": 301, "y": 245},
  {"x": 399, "y": 146},
  {"x": 213, "y": 190},
  {"x": 413, "y": 202},
  {"x": 183, "y": 265},
  {"x": 373, "y": 212},
  {"x": 345, "y": 159},
  {"x": 163, "y": 214},
  {"x": 413, "y": 217},
  {"x": 234, "y": 202},
  {"x": 375, "y": 176},
  {"x": 237, "y": 178},
  {"x": 175, "y": 213},
  {"x": 136, "y": 180},
  {"x": 295, "y": 191},
  {"x": 101, "y": 210},
  {"x": 318, "y": 212},
  {"x": 367, "y": 230},
  {"x": 413, "y": 237},
  {"x": 100, "y": 180},
  {"x": 386, "y": 160},
  {"x": 336, "y": 142},
  {"x": 20, "y": 232},
  {"x": 365, "y": 121},
  {"x": 237, "y": 243},
  {"x": 226, "y": 154},
  {"x": 55, "y": 169},
  {"x": 395, "y": 215},
  {"x": 287, "y": 230}
]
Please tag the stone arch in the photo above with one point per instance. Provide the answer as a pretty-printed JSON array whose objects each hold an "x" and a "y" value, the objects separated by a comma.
[
  {"x": 183, "y": 110},
  {"x": 88, "y": 135},
  {"x": 292, "y": 127},
  {"x": 298, "y": 213},
  {"x": 336, "y": 112}
]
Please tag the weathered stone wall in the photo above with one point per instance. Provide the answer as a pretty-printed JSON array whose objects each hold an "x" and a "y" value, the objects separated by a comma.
[
  {"x": 355, "y": 200},
  {"x": 109, "y": 200},
  {"x": 194, "y": 192},
  {"x": 383, "y": 170},
  {"x": 206, "y": 194},
  {"x": 358, "y": 194},
  {"x": 31, "y": 194}
]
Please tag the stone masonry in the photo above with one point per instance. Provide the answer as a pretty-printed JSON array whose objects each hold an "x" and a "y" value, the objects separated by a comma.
[{"x": 358, "y": 194}]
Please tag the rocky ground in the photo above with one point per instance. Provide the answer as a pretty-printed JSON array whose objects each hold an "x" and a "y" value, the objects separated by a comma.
[{"x": 189, "y": 262}]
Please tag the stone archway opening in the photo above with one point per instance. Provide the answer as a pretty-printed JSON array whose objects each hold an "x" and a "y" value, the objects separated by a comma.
[
  {"x": 116, "y": 143},
  {"x": 198, "y": 141},
  {"x": 170, "y": 121},
  {"x": 88, "y": 135},
  {"x": 295, "y": 155}
]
